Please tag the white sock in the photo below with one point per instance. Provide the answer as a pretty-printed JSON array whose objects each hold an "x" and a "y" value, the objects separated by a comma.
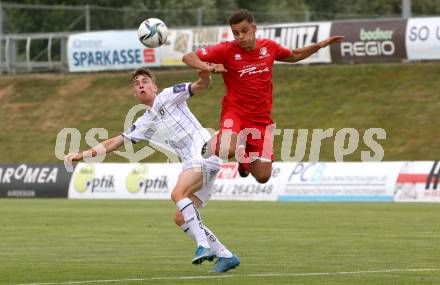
[
  {"x": 215, "y": 244},
  {"x": 192, "y": 217},
  {"x": 185, "y": 228}
]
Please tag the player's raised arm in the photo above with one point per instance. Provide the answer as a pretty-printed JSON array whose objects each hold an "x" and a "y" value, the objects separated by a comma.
[
  {"x": 192, "y": 59},
  {"x": 302, "y": 53},
  {"x": 202, "y": 83},
  {"x": 102, "y": 148}
]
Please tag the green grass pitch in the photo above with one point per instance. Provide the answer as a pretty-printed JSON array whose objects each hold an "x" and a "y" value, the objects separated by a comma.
[{"x": 135, "y": 242}]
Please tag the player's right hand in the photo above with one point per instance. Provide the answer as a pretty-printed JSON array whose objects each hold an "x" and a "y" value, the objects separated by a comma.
[{"x": 71, "y": 157}]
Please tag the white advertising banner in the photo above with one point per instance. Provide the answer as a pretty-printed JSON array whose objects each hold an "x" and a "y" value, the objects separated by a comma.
[
  {"x": 230, "y": 186},
  {"x": 346, "y": 181},
  {"x": 179, "y": 42},
  {"x": 156, "y": 181},
  {"x": 123, "y": 180},
  {"x": 182, "y": 41},
  {"x": 418, "y": 182},
  {"x": 204, "y": 37},
  {"x": 295, "y": 36},
  {"x": 321, "y": 181},
  {"x": 109, "y": 50},
  {"x": 423, "y": 38}
]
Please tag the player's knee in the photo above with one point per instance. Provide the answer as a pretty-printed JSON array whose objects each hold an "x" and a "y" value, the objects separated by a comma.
[
  {"x": 178, "y": 218},
  {"x": 262, "y": 178},
  {"x": 176, "y": 196}
]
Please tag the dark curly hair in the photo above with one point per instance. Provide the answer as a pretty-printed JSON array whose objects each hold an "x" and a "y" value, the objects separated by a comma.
[{"x": 240, "y": 16}]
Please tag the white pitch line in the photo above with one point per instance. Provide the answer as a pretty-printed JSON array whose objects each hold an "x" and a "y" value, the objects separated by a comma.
[{"x": 238, "y": 275}]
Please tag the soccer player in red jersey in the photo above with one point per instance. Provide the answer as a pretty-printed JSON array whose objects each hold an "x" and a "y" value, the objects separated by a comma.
[{"x": 246, "y": 127}]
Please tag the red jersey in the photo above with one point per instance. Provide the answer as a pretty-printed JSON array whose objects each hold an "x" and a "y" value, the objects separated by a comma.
[{"x": 249, "y": 77}]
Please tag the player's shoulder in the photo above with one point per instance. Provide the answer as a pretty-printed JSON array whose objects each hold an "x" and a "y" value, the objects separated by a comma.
[
  {"x": 224, "y": 45},
  {"x": 171, "y": 91},
  {"x": 176, "y": 88},
  {"x": 142, "y": 120},
  {"x": 266, "y": 42}
]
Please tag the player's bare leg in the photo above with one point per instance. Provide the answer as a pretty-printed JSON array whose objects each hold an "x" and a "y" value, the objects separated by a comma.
[{"x": 261, "y": 166}]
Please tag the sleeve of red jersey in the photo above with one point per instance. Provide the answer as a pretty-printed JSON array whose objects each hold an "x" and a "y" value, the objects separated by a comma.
[
  {"x": 213, "y": 54},
  {"x": 282, "y": 52}
]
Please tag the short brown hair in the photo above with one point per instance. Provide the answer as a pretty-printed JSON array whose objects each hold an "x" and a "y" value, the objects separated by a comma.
[
  {"x": 143, "y": 71},
  {"x": 240, "y": 16}
]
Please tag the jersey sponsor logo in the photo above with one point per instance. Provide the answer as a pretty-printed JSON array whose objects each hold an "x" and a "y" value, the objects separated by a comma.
[
  {"x": 179, "y": 88},
  {"x": 253, "y": 70}
]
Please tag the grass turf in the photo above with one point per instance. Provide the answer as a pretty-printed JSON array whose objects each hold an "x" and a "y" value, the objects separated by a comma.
[{"x": 57, "y": 241}]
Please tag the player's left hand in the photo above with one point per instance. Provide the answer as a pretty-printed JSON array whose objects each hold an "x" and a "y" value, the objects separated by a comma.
[
  {"x": 71, "y": 157},
  {"x": 204, "y": 74},
  {"x": 330, "y": 41}
]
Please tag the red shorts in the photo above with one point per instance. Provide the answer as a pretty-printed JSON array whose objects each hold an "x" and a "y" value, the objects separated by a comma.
[{"x": 257, "y": 135}]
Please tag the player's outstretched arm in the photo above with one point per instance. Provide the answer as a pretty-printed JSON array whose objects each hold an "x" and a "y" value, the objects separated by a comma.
[
  {"x": 202, "y": 83},
  {"x": 302, "y": 53},
  {"x": 102, "y": 148},
  {"x": 192, "y": 59}
]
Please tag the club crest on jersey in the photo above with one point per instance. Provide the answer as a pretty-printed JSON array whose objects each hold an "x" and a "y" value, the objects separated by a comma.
[
  {"x": 263, "y": 52},
  {"x": 237, "y": 56},
  {"x": 161, "y": 111},
  {"x": 204, "y": 52},
  {"x": 179, "y": 88}
]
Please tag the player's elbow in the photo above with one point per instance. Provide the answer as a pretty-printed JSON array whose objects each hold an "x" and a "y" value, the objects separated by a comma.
[{"x": 187, "y": 57}]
